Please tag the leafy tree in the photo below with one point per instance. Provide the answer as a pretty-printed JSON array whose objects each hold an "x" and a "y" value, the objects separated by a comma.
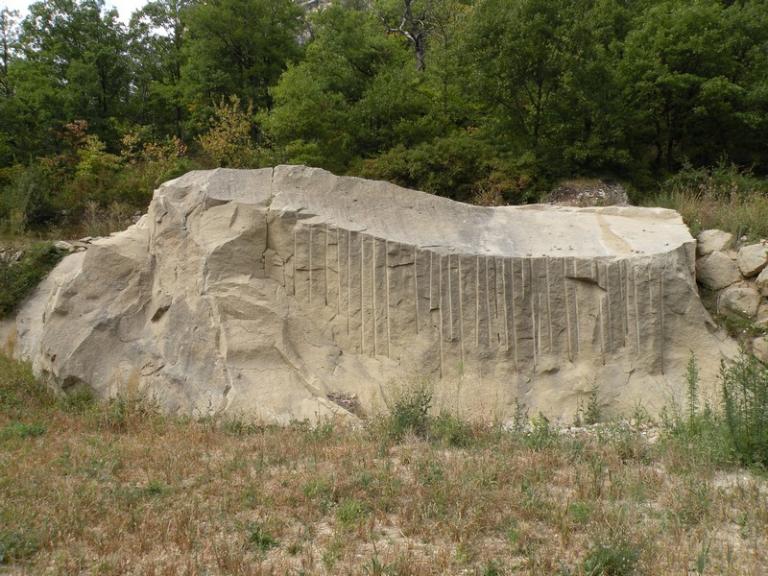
[
  {"x": 75, "y": 53},
  {"x": 349, "y": 92},
  {"x": 156, "y": 48},
  {"x": 694, "y": 75},
  {"x": 237, "y": 47}
]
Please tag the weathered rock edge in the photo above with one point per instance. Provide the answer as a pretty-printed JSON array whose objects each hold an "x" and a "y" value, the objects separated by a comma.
[{"x": 290, "y": 293}]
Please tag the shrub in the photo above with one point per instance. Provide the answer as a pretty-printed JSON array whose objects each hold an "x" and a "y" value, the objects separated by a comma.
[
  {"x": 259, "y": 539},
  {"x": 15, "y": 546},
  {"x": 350, "y": 513},
  {"x": 228, "y": 141},
  {"x": 450, "y": 430},
  {"x": 410, "y": 413},
  {"x": 723, "y": 197},
  {"x": 611, "y": 559},
  {"x": 21, "y": 430},
  {"x": 18, "y": 279},
  {"x": 19, "y": 388},
  {"x": 745, "y": 404},
  {"x": 27, "y": 201}
]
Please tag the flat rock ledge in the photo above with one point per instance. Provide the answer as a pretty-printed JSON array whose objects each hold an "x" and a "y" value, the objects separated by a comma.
[{"x": 289, "y": 293}]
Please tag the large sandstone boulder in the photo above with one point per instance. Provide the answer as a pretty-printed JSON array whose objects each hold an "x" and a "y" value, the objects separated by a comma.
[{"x": 291, "y": 293}]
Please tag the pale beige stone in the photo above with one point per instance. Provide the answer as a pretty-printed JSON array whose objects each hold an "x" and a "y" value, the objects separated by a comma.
[
  {"x": 752, "y": 259},
  {"x": 716, "y": 271},
  {"x": 709, "y": 241},
  {"x": 762, "y": 314},
  {"x": 760, "y": 348},
  {"x": 273, "y": 293},
  {"x": 738, "y": 300},
  {"x": 762, "y": 282}
]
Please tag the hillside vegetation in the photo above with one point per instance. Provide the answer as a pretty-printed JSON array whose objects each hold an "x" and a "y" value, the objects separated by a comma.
[{"x": 491, "y": 101}]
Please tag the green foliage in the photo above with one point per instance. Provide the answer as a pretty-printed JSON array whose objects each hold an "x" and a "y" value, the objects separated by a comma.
[
  {"x": 542, "y": 433},
  {"x": 410, "y": 413},
  {"x": 611, "y": 559},
  {"x": 236, "y": 47},
  {"x": 592, "y": 412},
  {"x": 350, "y": 513},
  {"x": 259, "y": 539},
  {"x": 18, "y": 279},
  {"x": 745, "y": 404},
  {"x": 488, "y": 101},
  {"x": 22, "y": 430},
  {"x": 724, "y": 197},
  {"x": 16, "y": 546},
  {"x": 450, "y": 430},
  {"x": 228, "y": 140},
  {"x": 19, "y": 387}
]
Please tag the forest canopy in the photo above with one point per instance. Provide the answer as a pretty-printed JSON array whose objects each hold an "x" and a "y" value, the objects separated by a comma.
[{"x": 489, "y": 101}]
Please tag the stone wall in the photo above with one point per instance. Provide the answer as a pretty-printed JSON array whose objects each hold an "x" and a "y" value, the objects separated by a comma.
[{"x": 738, "y": 275}]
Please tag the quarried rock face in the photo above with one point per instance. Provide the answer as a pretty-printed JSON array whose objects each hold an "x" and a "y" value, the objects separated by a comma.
[{"x": 290, "y": 293}]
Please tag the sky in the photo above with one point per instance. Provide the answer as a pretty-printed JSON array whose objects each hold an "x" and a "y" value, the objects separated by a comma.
[{"x": 124, "y": 7}]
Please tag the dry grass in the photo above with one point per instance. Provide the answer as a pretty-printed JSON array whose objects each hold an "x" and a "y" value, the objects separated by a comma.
[
  {"x": 722, "y": 197},
  {"x": 740, "y": 215},
  {"x": 122, "y": 490}
]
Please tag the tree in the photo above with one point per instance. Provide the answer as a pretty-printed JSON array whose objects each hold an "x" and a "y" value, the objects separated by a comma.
[
  {"x": 694, "y": 77},
  {"x": 9, "y": 37},
  {"x": 351, "y": 96},
  {"x": 237, "y": 47},
  {"x": 75, "y": 52},
  {"x": 156, "y": 46}
]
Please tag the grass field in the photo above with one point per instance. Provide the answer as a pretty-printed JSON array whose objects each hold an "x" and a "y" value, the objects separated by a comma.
[{"x": 119, "y": 489}]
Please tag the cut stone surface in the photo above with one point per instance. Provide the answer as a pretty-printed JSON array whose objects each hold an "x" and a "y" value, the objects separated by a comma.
[
  {"x": 752, "y": 259},
  {"x": 274, "y": 293},
  {"x": 716, "y": 271},
  {"x": 709, "y": 241},
  {"x": 739, "y": 300}
]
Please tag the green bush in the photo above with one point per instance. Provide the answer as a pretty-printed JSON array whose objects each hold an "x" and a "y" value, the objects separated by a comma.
[
  {"x": 18, "y": 279},
  {"x": 15, "y": 546},
  {"x": 19, "y": 388},
  {"x": 410, "y": 413},
  {"x": 745, "y": 404},
  {"x": 259, "y": 539},
  {"x": 723, "y": 197},
  {"x": 22, "y": 430},
  {"x": 27, "y": 201},
  {"x": 611, "y": 559},
  {"x": 450, "y": 430}
]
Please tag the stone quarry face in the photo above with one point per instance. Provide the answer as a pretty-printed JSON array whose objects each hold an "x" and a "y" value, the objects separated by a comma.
[{"x": 290, "y": 293}]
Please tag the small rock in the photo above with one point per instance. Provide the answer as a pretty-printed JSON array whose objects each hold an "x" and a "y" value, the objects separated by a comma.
[
  {"x": 65, "y": 246},
  {"x": 762, "y": 315},
  {"x": 589, "y": 192},
  {"x": 762, "y": 282},
  {"x": 752, "y": 259},
  {"x": 86, "y": 240},
  {"x": 713, "y": 241},
  {"x": 716, "y": 271},
  {"x": 760, "y": 348},
  {"x": 741, "y": 300}
]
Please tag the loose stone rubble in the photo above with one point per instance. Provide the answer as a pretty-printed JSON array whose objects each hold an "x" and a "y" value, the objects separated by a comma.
[
  {"x": 283, "y": 293},
  {"x": 740, "y": 280}
]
